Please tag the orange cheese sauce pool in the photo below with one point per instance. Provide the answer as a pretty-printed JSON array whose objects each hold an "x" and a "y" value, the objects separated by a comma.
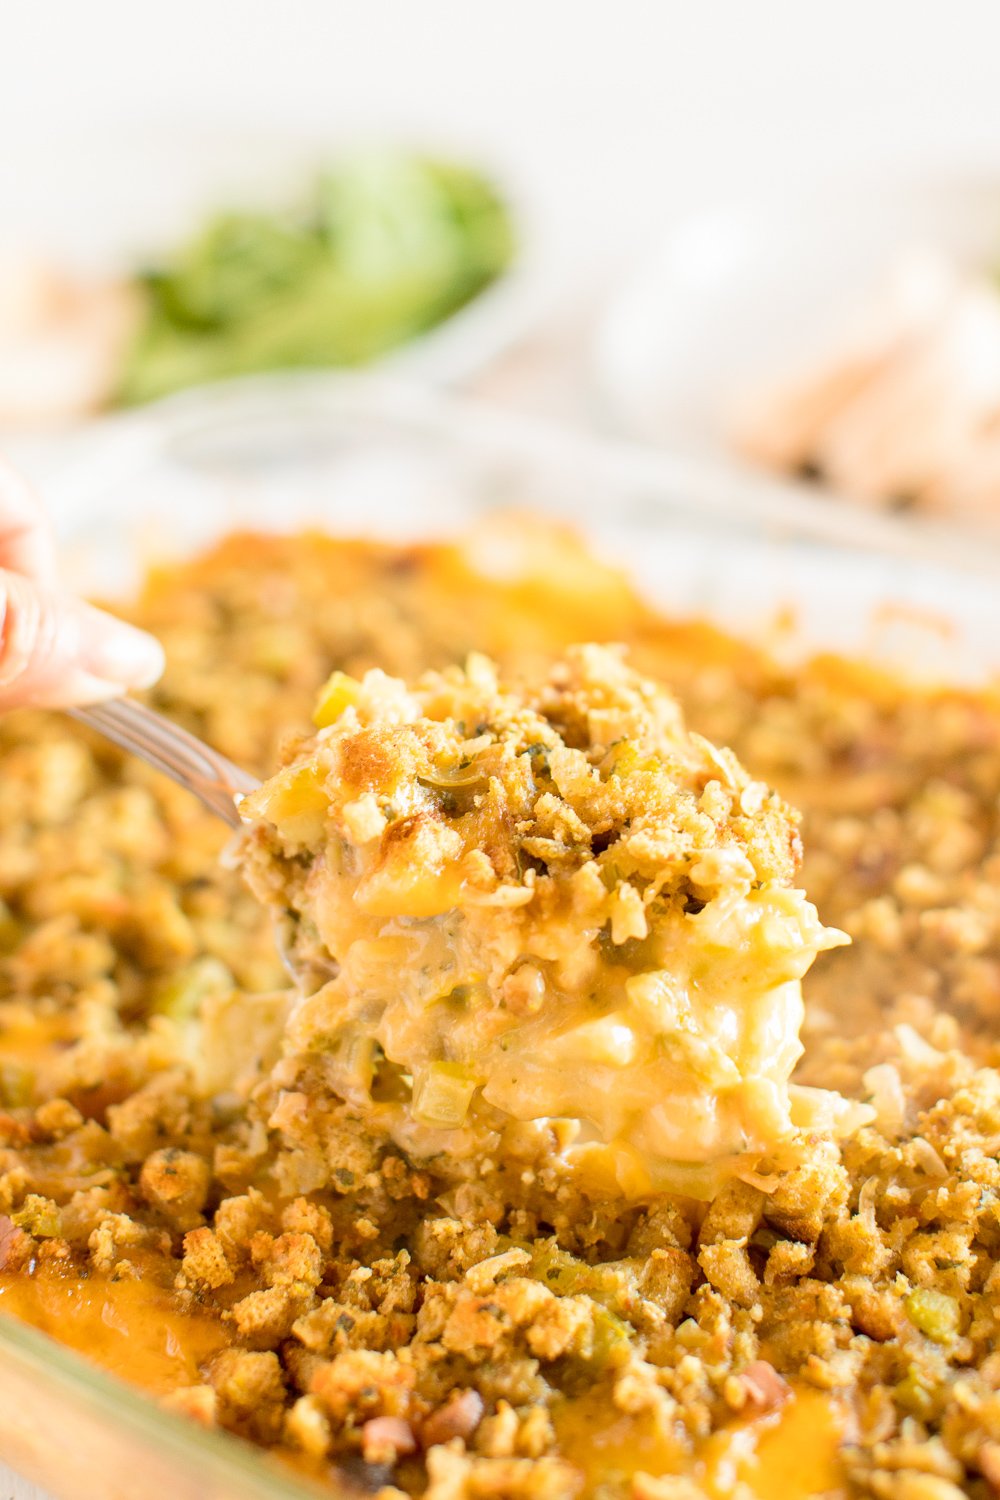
[
  {"x": 790, "y": 1454},
  {"x": 31, "y": 1040},
  {"x": 130, "y": 1328}
]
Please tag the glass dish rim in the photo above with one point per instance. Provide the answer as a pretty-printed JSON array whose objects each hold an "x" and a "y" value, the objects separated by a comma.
[{"x": 107, "y": 1397}]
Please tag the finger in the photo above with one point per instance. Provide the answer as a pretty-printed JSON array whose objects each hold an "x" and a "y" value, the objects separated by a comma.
[
  {"x": 57, "y": 652},
  {"x": 26, "y": 544}
]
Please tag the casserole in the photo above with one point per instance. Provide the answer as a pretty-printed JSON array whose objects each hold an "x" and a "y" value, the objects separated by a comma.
[{"x": 242, "y": 461}]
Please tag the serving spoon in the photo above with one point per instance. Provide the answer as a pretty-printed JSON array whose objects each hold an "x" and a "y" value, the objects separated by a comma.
[
  {"x": 166, "y": 747},
  {"x": 213, "y": 779}
]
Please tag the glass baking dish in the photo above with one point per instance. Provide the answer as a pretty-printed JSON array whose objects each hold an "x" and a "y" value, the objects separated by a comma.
[{"x": 360, "y": 456}]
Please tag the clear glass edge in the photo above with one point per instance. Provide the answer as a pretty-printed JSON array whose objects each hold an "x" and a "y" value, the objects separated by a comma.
[
  {"x": 718, "y": 490},
  {"x": 107, "y": 1398}
]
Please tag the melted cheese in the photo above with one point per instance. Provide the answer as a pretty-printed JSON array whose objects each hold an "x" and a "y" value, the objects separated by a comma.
[
  {"x": 792, "y": 1453},
  {"x": 131, "y": 1328}
]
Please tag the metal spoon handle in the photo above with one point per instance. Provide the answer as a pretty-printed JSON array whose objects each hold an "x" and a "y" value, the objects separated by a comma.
[{"x": 168, "y": 748}]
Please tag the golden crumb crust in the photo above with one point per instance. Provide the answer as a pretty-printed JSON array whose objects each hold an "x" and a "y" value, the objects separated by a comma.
[{"x": 592, "y": 761}]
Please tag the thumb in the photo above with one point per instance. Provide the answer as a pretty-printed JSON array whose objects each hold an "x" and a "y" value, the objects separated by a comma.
[{"x": 57, "y": 652}]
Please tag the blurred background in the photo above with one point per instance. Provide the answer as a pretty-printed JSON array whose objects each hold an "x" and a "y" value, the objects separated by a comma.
[
  {"x": 613, "y": 114},
  {"x": 767, "y": 236}
]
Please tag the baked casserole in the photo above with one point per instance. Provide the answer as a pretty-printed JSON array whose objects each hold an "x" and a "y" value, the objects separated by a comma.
[{"x": 407, "y": 1257}]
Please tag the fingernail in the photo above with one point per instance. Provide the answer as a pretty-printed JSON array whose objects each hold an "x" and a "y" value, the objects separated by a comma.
[{"x": 119, "y": 653}]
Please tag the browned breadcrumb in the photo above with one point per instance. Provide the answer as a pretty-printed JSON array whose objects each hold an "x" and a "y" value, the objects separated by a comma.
[{"x": 868, "y": 1271}]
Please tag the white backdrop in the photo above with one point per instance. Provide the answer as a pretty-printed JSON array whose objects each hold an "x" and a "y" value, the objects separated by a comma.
[{"x": 610, "y": 114}]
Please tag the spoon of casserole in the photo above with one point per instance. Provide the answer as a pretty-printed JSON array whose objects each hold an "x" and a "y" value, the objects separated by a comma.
[{"x": 540, "y": 902}]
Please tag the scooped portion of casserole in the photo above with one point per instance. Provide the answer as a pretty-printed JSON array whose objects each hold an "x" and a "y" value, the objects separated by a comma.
[{"x": 543, "y": 901}]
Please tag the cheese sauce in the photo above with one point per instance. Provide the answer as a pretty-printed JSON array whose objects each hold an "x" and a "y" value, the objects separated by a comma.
[{"x": 131, "y": 1328}]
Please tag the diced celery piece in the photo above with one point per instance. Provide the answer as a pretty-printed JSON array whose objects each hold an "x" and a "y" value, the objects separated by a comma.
[
  {"x": 442, "y": 1094},
  {"x": 17, "y": 1085},
  {"x": 350, "y": 1060},
  {"x": 625, "y": 759},
  {"x": 182, "y": 997},
  {"x": 561, "y": 1272},
  {"x": 10, "y": 929},
  {"x": 567, "y": 1276},
  {"x": 276, "y": 647},
  {"x": 913, "y": 1395},
  {"x": 39, "y": 1216},
  {"x": 339, "y": 692},
  {"x": 609, "y": 1341},
  {"x": 934, "y": 1313}
]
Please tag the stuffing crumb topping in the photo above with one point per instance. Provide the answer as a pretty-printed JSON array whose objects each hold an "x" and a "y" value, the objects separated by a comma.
[{"x": 549, "y": 899}]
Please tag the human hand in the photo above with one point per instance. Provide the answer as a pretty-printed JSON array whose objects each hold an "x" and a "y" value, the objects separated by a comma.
[{"x": 56, "y": 651}]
